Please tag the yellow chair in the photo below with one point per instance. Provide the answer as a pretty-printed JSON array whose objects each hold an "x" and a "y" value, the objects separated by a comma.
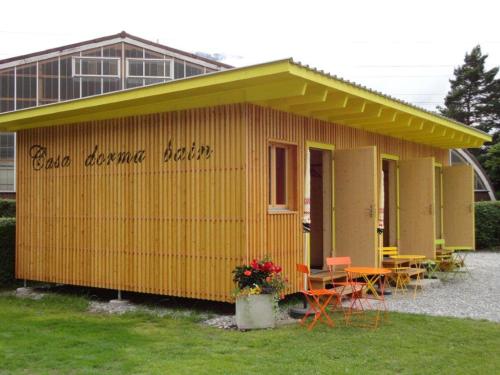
[
  {"x": 385, "y": 252},
  {"x": 388, "y": 251},
  {"x": 401, "y": 278}
]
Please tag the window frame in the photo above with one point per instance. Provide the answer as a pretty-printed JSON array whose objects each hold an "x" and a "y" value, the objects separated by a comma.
[
  {"x": 94, "y": 58},
  {"x": 14, "y": 166},
  {"x": 290, "y": 175},
  {"x": 144, "y": 60}
]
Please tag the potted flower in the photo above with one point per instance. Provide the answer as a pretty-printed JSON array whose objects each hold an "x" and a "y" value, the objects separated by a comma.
[{"x": 259, "y": 286}]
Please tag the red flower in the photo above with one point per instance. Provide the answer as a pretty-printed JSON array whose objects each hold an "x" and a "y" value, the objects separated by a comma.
[
  {"x": 247, "y": 273},
  {"x": 268, "y": 266},
  {"x": 277, "y": 269},
  {"x": 255, "y": 265}
]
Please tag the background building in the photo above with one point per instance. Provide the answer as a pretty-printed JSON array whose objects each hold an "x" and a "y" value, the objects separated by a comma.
[
  {"x": 483, "y": 188},
  {"x": 94, "y": 67}
]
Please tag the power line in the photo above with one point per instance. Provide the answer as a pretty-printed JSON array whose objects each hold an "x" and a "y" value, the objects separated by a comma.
[
  {"x": 401, "y": 76},
  {"x": 34, "y": 33},
  {"x": 419, "y": 94},
  {"x": 399, "y": 66}
]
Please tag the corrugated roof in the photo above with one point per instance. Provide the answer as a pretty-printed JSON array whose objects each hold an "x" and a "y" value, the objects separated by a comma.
[
  {"x": 283, "y": 85},
  {"x": 357, "y": 85}
]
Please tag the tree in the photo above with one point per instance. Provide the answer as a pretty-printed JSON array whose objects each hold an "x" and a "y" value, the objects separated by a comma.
[
  {"x": 474, "y": 95},
  {"x": 474, "y": 99}
]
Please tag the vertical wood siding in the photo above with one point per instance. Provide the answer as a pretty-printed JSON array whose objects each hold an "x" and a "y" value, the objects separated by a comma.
[
  {"x": 174, "y": 228},
  {"x": 280, "y": 235}
]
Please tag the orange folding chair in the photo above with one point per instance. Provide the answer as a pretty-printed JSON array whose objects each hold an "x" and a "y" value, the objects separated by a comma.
[
  {"x": 318, "y": 301},
  {"x": 348, "y": 288}
]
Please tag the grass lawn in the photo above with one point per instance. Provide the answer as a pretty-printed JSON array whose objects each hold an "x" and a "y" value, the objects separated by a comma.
[{"x": 56, "y": 335}]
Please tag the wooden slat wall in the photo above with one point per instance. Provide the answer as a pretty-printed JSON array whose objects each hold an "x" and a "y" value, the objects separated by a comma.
[
  {"x": 174, "y": 228},
  {"x": 280, "y": 235}
]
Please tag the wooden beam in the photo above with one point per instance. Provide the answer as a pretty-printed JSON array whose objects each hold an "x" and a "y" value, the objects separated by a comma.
[
  {"x": 276, "y": 90},
  {"x": 388, "y": 116},
  {"x": 354, "y": 105},
  {"x": 413, "y": 126},
  {"x": 402, "y": 121},
  {"x": 313, "y": 94},
  {"x": 370, "y": 111},
  {"x": 334, "y": 100}
]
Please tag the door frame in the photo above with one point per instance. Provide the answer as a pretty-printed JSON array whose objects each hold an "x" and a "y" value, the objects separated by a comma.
[
  {"x": 324, "y": 147},
  {"x": 440, "y": 241},
  {"x": 396, "y": 159}
]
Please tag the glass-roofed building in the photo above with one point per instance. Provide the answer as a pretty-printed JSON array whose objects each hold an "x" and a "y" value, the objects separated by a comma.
[
  {"x": 483, "y": 188},
  {"x": 93, "y": 67}
]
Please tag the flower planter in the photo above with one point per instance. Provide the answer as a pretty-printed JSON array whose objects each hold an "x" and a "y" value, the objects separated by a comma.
[{"x": 255, "y": 311}]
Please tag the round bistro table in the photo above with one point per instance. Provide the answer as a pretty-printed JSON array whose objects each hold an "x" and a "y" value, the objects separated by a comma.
[{"x": 371, "y": 276}]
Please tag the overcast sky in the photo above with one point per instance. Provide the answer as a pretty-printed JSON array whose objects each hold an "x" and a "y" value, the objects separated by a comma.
[{"x": 407, "y": 49}]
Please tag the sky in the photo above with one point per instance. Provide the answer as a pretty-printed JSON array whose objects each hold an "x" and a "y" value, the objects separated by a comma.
[{"x": 406, "y": 49}]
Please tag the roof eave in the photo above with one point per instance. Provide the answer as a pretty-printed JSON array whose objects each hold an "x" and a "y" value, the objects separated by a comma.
[{"x": 282, "y": 85}]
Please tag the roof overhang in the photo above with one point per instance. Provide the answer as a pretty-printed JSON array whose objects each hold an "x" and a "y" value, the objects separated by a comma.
[{"x": 282, "y": 85}]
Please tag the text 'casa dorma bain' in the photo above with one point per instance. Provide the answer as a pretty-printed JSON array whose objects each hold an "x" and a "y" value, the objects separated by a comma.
[{"x": 41, "y": 159}]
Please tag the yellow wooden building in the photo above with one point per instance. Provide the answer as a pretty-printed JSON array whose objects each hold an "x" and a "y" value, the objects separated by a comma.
[{"x": 165, "y": 188}]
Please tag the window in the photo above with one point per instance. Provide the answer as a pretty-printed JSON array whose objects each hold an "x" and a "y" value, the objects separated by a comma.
[
  {"x": 148, "y": 68},
  {"x": 456, "y": 158},
  {"x": 26, "y": 86},
  {"x": 193, "y": 70},
  {"x": 84, "y": 71},
  {"x": 48, "y": 73},
  {"x": 88, "y": 66},
  {"x": 282, "y": 176},
  {"x": 7, "y": 90},
  {"x": 179, "y": 69},
  {"x": 7, "y": 172},
  {"x": 69, "y": 86}
]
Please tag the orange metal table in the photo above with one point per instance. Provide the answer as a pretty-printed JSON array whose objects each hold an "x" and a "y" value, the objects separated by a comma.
[{"x": 371, "y": 275}]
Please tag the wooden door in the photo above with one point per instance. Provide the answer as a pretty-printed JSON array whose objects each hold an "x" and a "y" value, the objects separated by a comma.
[
  {"x": 355, "y": 189},
  {"x": 458, "y": 206},
  {"x": 417, "y": 211}
]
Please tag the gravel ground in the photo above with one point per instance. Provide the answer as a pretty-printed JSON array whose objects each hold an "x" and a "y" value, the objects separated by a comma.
[{"x": 476, "y": 296}]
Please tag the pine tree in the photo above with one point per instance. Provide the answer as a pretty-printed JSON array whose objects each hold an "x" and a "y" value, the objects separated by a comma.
[
  {"x": 474, "y": 99},
  {"x": 475, "y": 93}
]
